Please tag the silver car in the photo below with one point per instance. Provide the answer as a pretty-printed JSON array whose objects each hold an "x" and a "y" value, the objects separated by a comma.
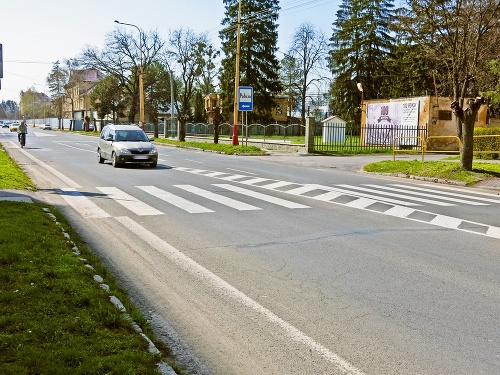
[{"x": 124, "y": 144}]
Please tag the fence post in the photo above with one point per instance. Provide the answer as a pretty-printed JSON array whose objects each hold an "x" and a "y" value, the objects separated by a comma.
[{"x": 310, "y": 122}]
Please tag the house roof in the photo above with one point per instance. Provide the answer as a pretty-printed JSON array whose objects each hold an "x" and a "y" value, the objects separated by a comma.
[{"x": 329, "y": 119}]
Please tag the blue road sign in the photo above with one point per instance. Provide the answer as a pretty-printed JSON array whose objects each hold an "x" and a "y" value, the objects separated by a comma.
[{"x": 245, "y": 98}]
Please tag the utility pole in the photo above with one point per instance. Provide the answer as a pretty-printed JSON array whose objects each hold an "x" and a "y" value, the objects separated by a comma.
[{"x": 237, "y": 79}]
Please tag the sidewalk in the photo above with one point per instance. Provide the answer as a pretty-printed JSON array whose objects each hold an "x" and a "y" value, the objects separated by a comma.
[{"x": 17, "y": 196}]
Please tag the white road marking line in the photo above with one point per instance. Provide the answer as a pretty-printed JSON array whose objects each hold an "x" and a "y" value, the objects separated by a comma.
[
  {"x": 276, "y": 185},
  {"x": 129, "y": 202},
  {"x": 476, "y": 192},
  {"x": 253, "y": 181},
  {"x": 215, "y": 174},
  {"x": 56, "y": 173},
  {"x": 446, "y": 221},
  {"x": 361, "y": 203},
  {"x": 240, "y": 171},
  {"x": 329, "y": 196},
  {"x": 84, "y": 206},
  {"x": 454, "y": 194},
  {"x": 377, "y": 193},
  {"x": 241, "y": 206},
  {"x": 304, "y": 189},
  {"x": 234, "y": 177},
  {"x": 357, "y": 194},
  {"x": 409, "y": 191},
  {"x": 175, "y": 200},
  {"x": 400, "y": 211},
  {"x": 264, "y": 197},
  {"x": 214, "y": 281}
]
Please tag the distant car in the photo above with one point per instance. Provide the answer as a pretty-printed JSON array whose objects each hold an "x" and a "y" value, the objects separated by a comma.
[
  {"x": 13, "y": 126},
  {"x": 47, "y": 127},
  {"x": 126, "y": 144},
  {"x": 5, "y": 124}
]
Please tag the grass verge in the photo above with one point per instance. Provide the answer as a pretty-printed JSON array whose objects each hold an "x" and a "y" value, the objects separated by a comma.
[
  {"x": 447, "y": 170},
  {"x": 54, "y": 317}
]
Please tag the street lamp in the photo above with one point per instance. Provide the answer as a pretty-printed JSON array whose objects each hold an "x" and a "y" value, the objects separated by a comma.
[
  {"x": 141, "y": 75},
  {"x": 360, "y": 88},
  {"x": 237, "y": 79}
]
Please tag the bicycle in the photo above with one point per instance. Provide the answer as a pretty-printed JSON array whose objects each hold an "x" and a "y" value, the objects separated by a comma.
[{"x": 22, "y": 139}]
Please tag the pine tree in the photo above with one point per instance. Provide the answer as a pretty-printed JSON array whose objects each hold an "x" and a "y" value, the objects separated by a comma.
[
  {"x": 259, "y": 65},
  {"x": 360, "y": 43}
]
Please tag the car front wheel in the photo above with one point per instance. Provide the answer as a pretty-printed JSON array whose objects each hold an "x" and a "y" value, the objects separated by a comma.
[
  {"x": 100, "y": 159},
  {"x": 114, "y": 160}
]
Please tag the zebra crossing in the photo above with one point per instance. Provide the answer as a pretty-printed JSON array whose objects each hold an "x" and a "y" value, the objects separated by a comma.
[
  {"x": 396, "y": 194},
  {"x": 392, "y": 199},
  {"x": 365, "y": 196}
]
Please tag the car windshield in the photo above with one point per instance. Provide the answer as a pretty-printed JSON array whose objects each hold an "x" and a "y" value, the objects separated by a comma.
[{"x": 130, "y": 136}]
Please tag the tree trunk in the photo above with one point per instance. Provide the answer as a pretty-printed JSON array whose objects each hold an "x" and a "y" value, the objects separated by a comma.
[
  {"x": 182, "y": 128},
  {"x": 465, "y": 122}
]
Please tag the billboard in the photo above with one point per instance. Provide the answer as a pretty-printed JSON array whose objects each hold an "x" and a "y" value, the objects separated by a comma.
[{"x": 389, "y": 120}]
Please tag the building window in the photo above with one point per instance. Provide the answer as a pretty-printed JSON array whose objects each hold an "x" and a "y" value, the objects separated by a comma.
[{"x": 445, "y": 115}]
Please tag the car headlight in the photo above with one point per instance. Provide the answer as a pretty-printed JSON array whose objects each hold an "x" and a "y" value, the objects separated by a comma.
[
  {"x": 123, "y": 151},
  {"x": 153, "y": 151}
]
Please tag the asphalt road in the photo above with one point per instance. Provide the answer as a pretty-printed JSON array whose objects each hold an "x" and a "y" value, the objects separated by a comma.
[{"x": 287, "y": 264}]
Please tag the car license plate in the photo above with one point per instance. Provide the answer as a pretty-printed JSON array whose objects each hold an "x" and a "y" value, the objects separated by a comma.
[{"x": 141, "y": 157}]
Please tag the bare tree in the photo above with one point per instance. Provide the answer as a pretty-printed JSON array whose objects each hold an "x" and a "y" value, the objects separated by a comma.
[
  {"x": 309, "y": 48},
  {"x": 460, "y": 36},
  {"x": 121, "y": 58},
  {"x": 188, "y": 53}
]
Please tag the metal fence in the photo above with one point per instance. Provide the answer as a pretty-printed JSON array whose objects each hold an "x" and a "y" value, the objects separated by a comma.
[
  {"x": 225, "y": 129},
  {"x": 353, "y": 138}
]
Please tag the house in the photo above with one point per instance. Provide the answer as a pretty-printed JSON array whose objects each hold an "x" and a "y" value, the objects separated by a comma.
[{"x": 77, "y": 101}]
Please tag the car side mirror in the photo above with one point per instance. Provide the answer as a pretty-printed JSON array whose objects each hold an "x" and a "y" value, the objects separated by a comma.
[
  {"x": 109, "y": 138},
  {"x": 151, "y": 139}
]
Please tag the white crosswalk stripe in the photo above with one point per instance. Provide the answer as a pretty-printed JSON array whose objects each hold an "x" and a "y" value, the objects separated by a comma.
[
  {"x": 399, "y": 194},
  {"x": 469, "y": 198},
  {"x": 175, "y": 200},
  {"x": 83, "y": 205},
  {"x": 129, "y": 202},
  {"x": 264, "y": 197},
  {"x": 378, "y": 195},
  {"x": 241, "y": 206}
]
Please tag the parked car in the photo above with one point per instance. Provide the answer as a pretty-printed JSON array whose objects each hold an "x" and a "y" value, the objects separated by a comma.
[
  {"x": 124, "y": 144},
  {"x": 5, "y": 124},
  {"x": 47, "y": 127},
  {"x": 13, "y": 126}
]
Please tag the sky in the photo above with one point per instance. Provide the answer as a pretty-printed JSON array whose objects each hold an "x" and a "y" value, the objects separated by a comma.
[{"x": 35, "y": 33}]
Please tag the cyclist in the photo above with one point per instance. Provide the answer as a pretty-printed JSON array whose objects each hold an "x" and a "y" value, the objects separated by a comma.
[{"x": 22, "y": 130}]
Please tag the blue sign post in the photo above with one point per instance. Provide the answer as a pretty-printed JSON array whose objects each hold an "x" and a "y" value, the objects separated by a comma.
[{"x": 245, "y": 98}]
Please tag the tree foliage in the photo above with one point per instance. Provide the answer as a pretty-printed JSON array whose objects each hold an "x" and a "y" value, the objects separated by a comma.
[
  {"x": 259, "y": 65},
  {"x": 56, "y": 80},
  {"x": 122, "y": 57},
  {"x": 360, "y": 43},
  {"x": 187, "y": 52},
  {"x": 461, "y": 37}
]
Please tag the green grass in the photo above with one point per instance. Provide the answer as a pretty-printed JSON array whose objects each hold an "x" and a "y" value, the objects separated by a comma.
[
  {"x": 11, "y": 176},
  {"x": 219, "y": 147},
  {"x": 54, "y": 318},
  {"x": 437, "y": 169}
]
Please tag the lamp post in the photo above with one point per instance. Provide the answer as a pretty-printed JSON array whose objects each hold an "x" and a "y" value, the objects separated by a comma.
[
  {"x": 237, "y": 79},
  {"x": 360, "y": 88},
  {"x": 141, "y": 75}
]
